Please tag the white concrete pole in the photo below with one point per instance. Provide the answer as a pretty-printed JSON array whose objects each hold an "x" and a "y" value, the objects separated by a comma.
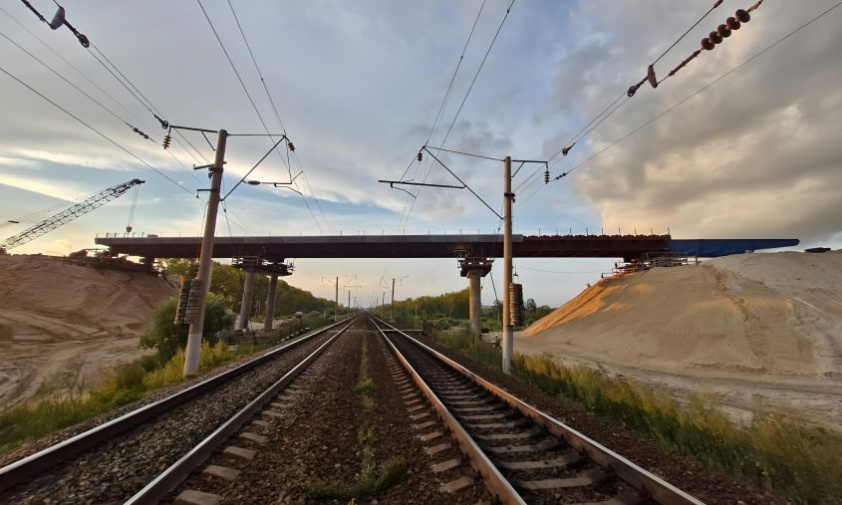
[
  {"x": 392, "y": 307},
  {"x": 508, "y": 329},
  {"x": 270, "y": 303},
  {"x": 194, "y": 334},
  {"x": 336, "y": 307},
  {"x": 245, "y": 306}
]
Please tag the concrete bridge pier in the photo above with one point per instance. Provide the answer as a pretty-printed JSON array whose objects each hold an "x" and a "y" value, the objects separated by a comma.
[
  {"x": 270, "y": 302},
  {"x": 245, "y": 306},
  {"x": 252, "y": 265},
  {"x": 475, "y": 269}
]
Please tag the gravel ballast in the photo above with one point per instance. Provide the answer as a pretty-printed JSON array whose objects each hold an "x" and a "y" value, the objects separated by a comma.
[{"x": 114, "y": 471}]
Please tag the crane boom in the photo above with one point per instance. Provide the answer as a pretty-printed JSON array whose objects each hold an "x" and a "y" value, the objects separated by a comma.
[{"x": 68, "y": 215}]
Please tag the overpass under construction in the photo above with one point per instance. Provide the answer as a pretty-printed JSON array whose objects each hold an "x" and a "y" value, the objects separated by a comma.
[
  {"x": 277, "y": 249},
  {"x": 475, "y": 253}
]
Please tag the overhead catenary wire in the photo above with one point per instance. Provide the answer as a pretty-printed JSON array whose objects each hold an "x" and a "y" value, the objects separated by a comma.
[
  {"x": 93, "y": 129},
  {"x": 237, "y": 73},
  {"x": 434, "y": 126},
  {"x": 77, "y": 88},
  {"x": 251, "y": 100},
  {"x": 705, "y": 87},
  {"x": 464, "y": 100}
]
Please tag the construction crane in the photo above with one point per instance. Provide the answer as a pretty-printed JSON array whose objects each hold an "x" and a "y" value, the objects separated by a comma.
[{"x": 67, "y": 215}]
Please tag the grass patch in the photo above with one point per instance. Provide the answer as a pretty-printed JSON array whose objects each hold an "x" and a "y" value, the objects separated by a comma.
[
  {"x": 798, "y": 462},
  {"x": 386, "y": 475},
  {"x": 372, "y": 478}
]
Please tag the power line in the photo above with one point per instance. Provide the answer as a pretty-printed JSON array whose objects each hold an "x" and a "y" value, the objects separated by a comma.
[
  {"x": 104, "y": 136},
  {"x": 464, "y": 99},
  {"x": 455, "y": 72},
  {"x": 237, "y": 73},
  {"x": 257, "y": 67},
  {"x": 476, "y": 75},
  {"x": 271, "y": 101},
  {"x": 77, "y": 88},
  {"x": 70, "y": 64},
  {"x": 705, "y": 87}
]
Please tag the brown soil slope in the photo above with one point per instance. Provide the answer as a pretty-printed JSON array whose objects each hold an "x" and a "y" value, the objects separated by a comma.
[
  {"x": 61, "y": 324},
  {"x": 777, "y": 314},
  {"x": 757, "y": 330}
]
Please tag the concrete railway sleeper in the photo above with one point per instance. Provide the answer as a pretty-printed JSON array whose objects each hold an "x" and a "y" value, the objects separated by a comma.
[
  {"x": 259, "y": 413},
  {"x": 524, "y": 455},
  {"x": 113, "y": 461}
]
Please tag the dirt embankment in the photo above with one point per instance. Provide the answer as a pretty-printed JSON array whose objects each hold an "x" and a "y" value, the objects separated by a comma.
[
  {"x": 61, "y": 325},
  {"x": 764, "y": 327}
]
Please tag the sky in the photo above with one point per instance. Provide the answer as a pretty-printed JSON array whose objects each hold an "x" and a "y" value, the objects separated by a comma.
[{"x": 358, "y": 85}]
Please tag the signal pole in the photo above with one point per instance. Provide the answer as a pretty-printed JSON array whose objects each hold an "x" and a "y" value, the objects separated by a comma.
[
  {"x": 508, "y": 329},
  {"x": 194, "y": 334}
]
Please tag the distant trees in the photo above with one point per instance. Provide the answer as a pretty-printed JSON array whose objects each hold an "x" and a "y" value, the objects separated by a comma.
[{"x": 227, "y": 282}]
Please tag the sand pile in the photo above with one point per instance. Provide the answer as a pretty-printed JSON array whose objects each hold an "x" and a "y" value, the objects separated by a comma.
[
  {"x": 775, "y": 315},
  {"x": 61, "y": 324}
]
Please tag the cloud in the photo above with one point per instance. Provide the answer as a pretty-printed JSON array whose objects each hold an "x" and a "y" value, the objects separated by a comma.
[{"x": 755, "y": 155}]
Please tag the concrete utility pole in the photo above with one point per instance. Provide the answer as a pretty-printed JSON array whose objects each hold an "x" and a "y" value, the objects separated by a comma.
[
  {"x": 508, "y": 329},
  {"x": 194, "y": 334},
  {"x": 336, "y": 307},
  {"x": 392, "y": 306}
]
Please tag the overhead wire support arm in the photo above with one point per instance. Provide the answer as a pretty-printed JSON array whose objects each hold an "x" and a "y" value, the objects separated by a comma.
[
  {"x": 425, "y": 184},
  {"x": 462, "y": 182},
  {"x": 274, "y": 146},
  {"x": 472, "y": 155}
]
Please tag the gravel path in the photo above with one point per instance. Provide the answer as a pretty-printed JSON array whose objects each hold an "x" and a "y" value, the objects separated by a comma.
[
  {"x": 710, "y": 486},
  {"x": 118, "y": 469}
]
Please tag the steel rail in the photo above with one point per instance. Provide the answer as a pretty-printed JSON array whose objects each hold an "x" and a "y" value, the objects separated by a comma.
[
  {"x": 496, "y": 483},
  {"x": 170, "y": 478},
  {"x": 32, "y": 466},
  {"x": 660, "y": 490}
]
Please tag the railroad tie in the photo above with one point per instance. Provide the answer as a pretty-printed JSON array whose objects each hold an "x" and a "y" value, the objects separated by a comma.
[
  {"x": 507, "y": 424},
  {"x": 432, "y": 451},
  {"x": 457, "y": 485},
  {"x": 545, "y": 445},
  {"x": 222, "y": 472},
  {"x": 191, "y": 497},
  {"x": 588, "y": 478},
  {"x": 530, "y": 433},
  {"x": 424, "y": 426},
  {"x": 560, "y": 462},
  {"x": 444, "y": 466},
  {"x": 233, "y": 451},
  {"x": 430, "y": 436},
  {"x": 252, "y": 437}
]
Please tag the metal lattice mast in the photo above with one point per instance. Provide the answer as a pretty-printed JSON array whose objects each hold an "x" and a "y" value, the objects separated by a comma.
[{"x": 68, "y": 215}]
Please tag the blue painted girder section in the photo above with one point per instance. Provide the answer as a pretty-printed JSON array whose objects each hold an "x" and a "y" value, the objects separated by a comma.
[{"x": 714, "y": 248}]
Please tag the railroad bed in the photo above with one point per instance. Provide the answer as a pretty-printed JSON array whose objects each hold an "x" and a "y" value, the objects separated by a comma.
[
  {"x": 347, "y": 407},
  {"x": 112, "y": 462},
  {"x": 524, "y": 455}
]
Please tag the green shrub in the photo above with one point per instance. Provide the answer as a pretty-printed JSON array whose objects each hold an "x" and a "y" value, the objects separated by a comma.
[{"x": 167, "y": 338}]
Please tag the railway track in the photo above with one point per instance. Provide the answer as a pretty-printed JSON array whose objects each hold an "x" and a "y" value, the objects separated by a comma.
[
  {"x": 523, "y": 455},
  {"x": 141, "y": 455}
]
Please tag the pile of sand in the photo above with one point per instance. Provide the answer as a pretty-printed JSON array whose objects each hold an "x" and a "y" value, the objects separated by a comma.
[
  {"x": 61, "y": 325},
  {"x": 760, "y": 315}
]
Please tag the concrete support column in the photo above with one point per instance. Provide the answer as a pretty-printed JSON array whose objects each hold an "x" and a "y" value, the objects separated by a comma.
[
  {"x": 245, "y": 306},
  {"x": 475, "y": 302},
  {"x": 270, "y": 302}
]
